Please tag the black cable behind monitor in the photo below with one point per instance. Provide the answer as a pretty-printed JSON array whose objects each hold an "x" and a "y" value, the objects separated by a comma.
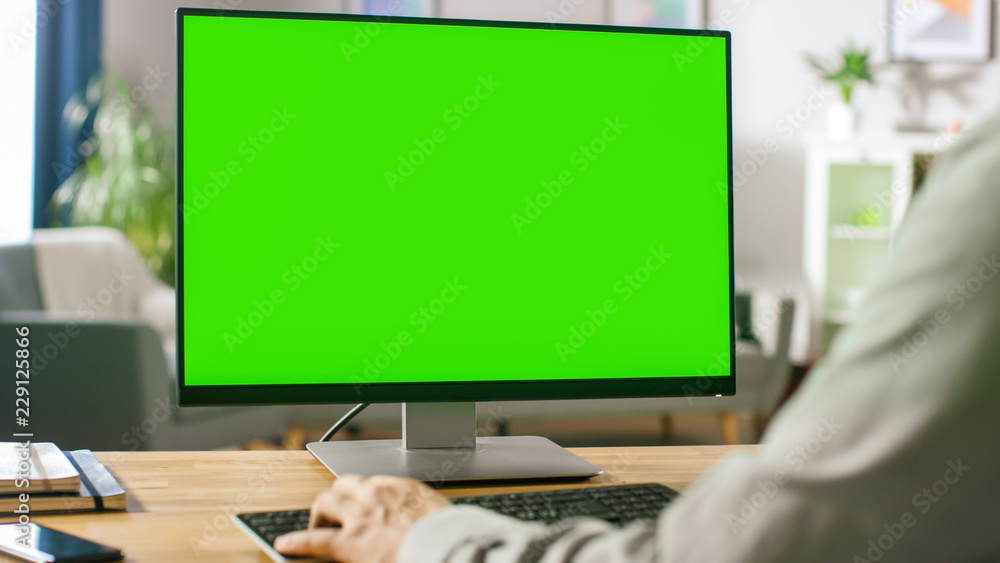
[{"x": 343, "y": 421}]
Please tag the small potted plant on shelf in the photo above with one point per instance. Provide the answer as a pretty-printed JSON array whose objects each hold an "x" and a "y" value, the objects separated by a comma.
[{"x": 849, "y": 68}]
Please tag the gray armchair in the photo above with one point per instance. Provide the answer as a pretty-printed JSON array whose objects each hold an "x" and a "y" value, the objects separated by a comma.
[{"x": 102, "y": 373}]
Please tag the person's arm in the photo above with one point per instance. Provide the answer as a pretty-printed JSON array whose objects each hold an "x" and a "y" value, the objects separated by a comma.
[{"x": 472, "y": 534}]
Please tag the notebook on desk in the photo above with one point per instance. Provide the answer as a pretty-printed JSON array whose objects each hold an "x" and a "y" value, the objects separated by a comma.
[
  {"x": 96, "y": 490},
  {"x": 36, "y": 468}
]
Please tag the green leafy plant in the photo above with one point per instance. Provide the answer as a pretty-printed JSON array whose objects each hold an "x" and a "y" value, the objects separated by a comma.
[
  {"x": 850, "y": 67},
  {"x": 126, "y": 177}
]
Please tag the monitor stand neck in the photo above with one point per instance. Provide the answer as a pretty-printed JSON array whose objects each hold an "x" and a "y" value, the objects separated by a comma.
[
  {"x": 440, "y": 446},
  {"x": 439, "y": 425}
]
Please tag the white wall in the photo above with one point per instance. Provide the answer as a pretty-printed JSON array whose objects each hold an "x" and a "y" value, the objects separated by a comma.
[
  {"x": 138, "y": 39},
  {"x": 770, "y": 80}
]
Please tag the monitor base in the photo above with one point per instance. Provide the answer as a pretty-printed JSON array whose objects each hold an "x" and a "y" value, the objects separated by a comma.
[{"x": 494, "y": 458}]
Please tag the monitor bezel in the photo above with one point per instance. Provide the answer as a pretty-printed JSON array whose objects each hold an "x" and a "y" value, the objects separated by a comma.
[{"x": 374, "y": 392}]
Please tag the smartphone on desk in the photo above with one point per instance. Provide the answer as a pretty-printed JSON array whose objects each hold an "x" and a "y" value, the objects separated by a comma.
[{"x": 31, "y": 542}]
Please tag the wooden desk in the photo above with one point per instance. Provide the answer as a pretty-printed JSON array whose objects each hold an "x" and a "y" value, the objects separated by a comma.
[{"x": 180, "y": 502}]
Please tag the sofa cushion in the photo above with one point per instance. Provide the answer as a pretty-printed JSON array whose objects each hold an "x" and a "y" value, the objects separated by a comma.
[{"x": 19, "y": 279}]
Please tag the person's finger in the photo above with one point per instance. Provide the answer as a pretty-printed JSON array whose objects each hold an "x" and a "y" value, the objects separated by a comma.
[
  {"x": 316, "y": 542},
  {"x": 387, "y": 490},
  {"x": 328, "y": 509}
]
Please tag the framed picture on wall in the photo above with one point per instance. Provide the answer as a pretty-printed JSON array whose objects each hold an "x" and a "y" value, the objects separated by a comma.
[
  {"x": 393, "y": 8},
  {"x": 688, "y": 14},
  {"x": 940, "y": 30}
]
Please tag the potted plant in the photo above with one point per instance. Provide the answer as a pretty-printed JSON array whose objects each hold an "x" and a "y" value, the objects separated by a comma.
[
  {"x": 126, "y": 177},
  {"x": 849, "y": 68}
]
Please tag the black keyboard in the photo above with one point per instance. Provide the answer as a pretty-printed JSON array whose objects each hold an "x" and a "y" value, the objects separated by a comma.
[
  {"x": 618, "y": 504},
  {"x": 270, "y": 525}
]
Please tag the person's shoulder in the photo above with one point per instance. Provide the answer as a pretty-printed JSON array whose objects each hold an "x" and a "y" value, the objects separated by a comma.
[
  {"x": 968, "y": 171},
  {"x": 980, "y": 143}
]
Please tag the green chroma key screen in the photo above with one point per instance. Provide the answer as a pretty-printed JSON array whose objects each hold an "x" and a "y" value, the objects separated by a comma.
[{"x": 368, "y": 203}]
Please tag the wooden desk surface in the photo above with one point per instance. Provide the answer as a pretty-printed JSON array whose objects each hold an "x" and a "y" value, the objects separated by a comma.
[{"x": 180, "y": 502}]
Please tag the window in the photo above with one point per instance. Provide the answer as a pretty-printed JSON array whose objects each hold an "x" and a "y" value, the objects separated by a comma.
[{"x": 17, "y": 120}]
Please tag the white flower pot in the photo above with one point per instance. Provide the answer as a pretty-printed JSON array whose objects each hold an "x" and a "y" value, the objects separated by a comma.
[{"x": 841, "y": 121}]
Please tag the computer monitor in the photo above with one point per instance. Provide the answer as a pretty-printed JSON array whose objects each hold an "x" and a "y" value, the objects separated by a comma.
[{"x": 438, "y": 212}]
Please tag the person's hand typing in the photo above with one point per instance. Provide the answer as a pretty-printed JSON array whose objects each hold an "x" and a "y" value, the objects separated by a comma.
[{"x": 362, "y": 520}]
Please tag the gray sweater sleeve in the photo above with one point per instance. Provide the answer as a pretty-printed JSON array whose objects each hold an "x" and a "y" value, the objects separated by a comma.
[
  {"x": 886, "y": 454},
  {"x": 475, "y": 534}
]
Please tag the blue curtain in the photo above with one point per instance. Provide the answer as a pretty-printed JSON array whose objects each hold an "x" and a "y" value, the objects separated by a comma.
[{"x": 68, "y": 55}]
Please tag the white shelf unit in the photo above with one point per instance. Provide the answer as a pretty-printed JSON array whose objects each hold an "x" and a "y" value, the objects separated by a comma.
[
  {"x": 852, "y": 232},
  {"x": 841, "y": 259}
]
